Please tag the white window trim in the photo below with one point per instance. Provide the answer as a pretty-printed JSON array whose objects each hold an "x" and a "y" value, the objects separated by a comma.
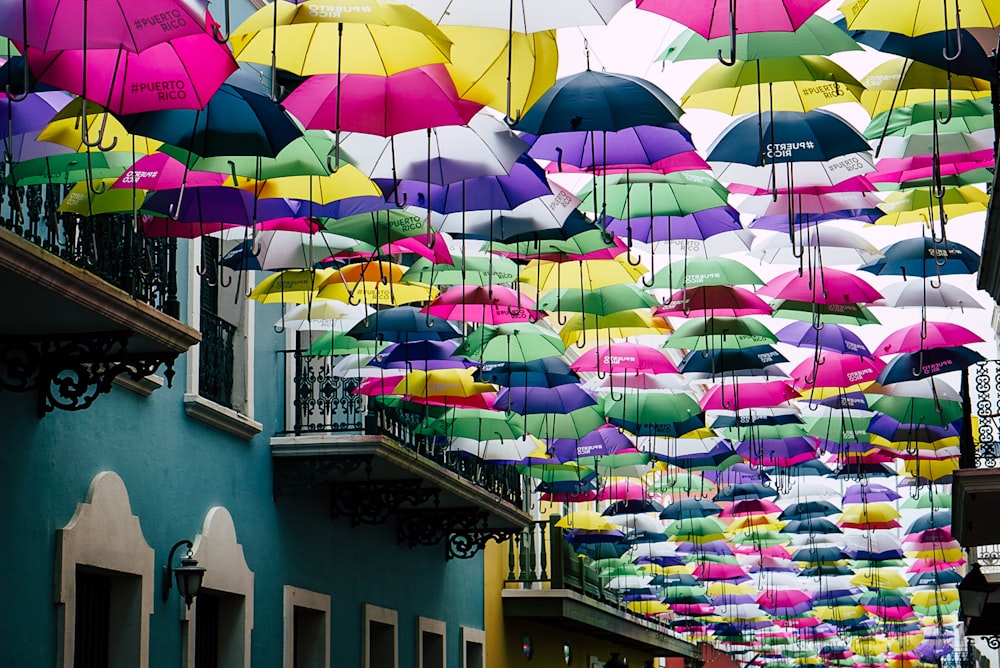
[
  {"x": 218, "y": 551},
  {"x": 103, "y": 533},
  {"x": 387, "y": 616},
  {"x": 236, "y": 422},
  {"x": 436, "y": 627},
  {"x": 303, "y": 598},
  {"x": 473, "y": 636}
]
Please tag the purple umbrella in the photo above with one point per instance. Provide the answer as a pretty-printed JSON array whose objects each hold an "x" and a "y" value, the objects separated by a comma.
[
  {"x": 525, "y": 182},
  {"x": 639, "y": 145},
  {"x": 32, "y": 113},
  {"x": 698, "y": 225},
  {"x": 216, "y": 204},
  {"x": 870, "y": 493},
  {"x": 421, "y": 355},
  {"x": 601, "y": 442},
  {"x": 831, "y": 337},
  {"x": 779, "y": 223},
  {"x": 559, "y": 399}
]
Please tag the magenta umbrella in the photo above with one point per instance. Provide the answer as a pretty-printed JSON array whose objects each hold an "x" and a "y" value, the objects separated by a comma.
[
  {"x": 821, "y": 286},
  {"x": 159, "y": 171},
  {"x": 925, "y": 335},
  {"x": 183, "y": 73},
  {"x": 736, "y": 396},
  {"x": 624, "y": 356},
  {"x": 52, "y": 25},
  {"x": 830, "y": 369},
  {"x": 416, "y": 99},
  {"x": 714, "y": 301},
  {"x": 492, "y": 305}
]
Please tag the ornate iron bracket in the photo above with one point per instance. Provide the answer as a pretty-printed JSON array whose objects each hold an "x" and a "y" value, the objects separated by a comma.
[
  {"x": 430, "y": 527},
  {"x": 467, "y": 544},
  {"x": 298, "y": 477},
  {"x": 69, "y": 371},
  {"x": 375, "y": 501}
]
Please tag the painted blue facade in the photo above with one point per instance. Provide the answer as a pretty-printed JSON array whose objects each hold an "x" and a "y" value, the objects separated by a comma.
[{"x": 175, "y": 469}]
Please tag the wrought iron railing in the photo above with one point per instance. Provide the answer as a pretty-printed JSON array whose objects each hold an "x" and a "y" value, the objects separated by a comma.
[
  {"x": 110, "y": 246},
  {"x": 324, "y": 402},
  {"x": 988, "y": 557},
  {"x": 980, "y": 443},
  {"x": 216, "y": 369}
]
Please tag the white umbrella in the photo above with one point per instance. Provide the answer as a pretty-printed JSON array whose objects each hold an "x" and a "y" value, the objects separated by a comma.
[
  {"x": 512, "y": 449},
  {"x": 831, "y": 244},
  {"x": 324, "y": 315},
  {"x": 926, "y": 293},
  {"x": 799, "y": 174},
  {"x": 519, "y": 15}
]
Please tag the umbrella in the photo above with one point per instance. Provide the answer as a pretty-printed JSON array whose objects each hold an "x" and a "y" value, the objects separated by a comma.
[
  {"x": 714, "y": 300},
  {"x": 715, "y": 333},
  {"x": 700, "y": 272},
  {"x": 403, "y": 324},
  {"x": 826, "y": 286},
  {"x": 925, "y": 256},
  {"x": 545, "y": 372},
  {"x": 624, "y": 356},
  {"x": 928, "y": 293},
  {"x": 599, "y": 101},
  {"x": 836, "y": 338},
  {"x": 924, "y": 335},
  {"x": 926, "y": 363},
  {"x": 560, "y": 399}
]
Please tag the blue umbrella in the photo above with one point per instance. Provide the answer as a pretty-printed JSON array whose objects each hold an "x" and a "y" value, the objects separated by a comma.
[
  {"x": 420, "y": 354},
  {"x": 815, "y": 525},
  {"x": 926, "y": 363},
  {"x": 545, "y": 372},
  {"x": 924, "y": 256},
  {"x": 928, "y": 48},
  {"x": 746, "y": 490},
  {"x": 403, "y": 324},
  {"x": 933, "y": 578},
  {"x": 727, "y": 360},
  {"x": 787, "y": 136},
  {"x": 815, "y": 554},
  {"x": 601, "y": 102},
  {"x": 559, "y": 399},
  {"x": 690, "y": 507},
  {"x": 803, "y": 510},
  {"x": 830, "y": 337},
  {"x": 936, "y": 519}
]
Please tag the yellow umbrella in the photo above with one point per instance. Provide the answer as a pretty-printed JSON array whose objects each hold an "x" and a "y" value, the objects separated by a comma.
[
  {"x": 479, "y": 65},
  {"x": 84, "y": 201},
  {"x": 860, "y": 513},
  {"x": 918, "y": 17},
  {"x": 838, "y": 612},
  {"x": 791, "y": 83},
  {"x": 758, "y": 522},
  {"x": 590, "y": 329},
  {"x": 648, "y": 607},
  {"x": 65, "y": 129},
  {"x": 296, "y": 286},
  {"x": 679, "y": 569},
  {"x": 590, "y": 520},
  {"x": 441, "y": 383},
  {"x": 869, "y": 645},
  {"x": 919, "y": 206},
  {"x": 580, "y": 274},
  {"x": 348, "y": 181},
  {"x": 374, "y": 283},
  {"x": 719, "y": 588},
  {"x": 362, "y": 37},
  {"x": 879, "y": 578},
  {"x": 930, "y": 469},
  {"x": 934, "y": 597},
  {"x": 885, "y": 85},
  {"x": 907, "y": 643}
]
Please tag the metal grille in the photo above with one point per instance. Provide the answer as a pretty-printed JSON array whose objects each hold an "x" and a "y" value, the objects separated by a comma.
[
  {"x": 984, "y": 399},
  {"x": 215, "y": 364},
  {"x": 324, "y": 401}
]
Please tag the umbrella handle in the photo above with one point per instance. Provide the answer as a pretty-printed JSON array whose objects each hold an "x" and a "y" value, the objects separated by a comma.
[
  {"x": 732, "y": 37},
  {"x": 9, "y": 90},
  {"x": 174, "y": 209},
  {"x": 951, "y": 57},
  {"x": 217, "y": 32},
  {"x": 84, "y": 131},
  {"x": 90, "y": 178}
]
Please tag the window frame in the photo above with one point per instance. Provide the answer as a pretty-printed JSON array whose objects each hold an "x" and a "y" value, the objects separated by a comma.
[
  {"x": 296, "y": 597},
  {"x": 471, "y": 636},
  {"x": 389, "y": 617},
  {"x": 433, "y": 627}
]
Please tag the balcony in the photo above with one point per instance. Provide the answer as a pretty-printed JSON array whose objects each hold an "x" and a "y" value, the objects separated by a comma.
[
  {"x": 377, "y": 469},
  {"x": 88, "y": 299},
  {"x": 548, "y": 583},
  {"x": 976, "y": 484}
]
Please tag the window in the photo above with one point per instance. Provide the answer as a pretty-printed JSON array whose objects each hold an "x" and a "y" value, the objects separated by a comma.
[
  {"x": 430, "y": 643},
  {"x": 380, "y": 626},
  {"x": 217, "y": 627},
  {"x": 307, "y": 628},
  {"x": 104, "y": 581},
  {"x": 220, "y": 378},
  {"x": 473, "y": 648}
]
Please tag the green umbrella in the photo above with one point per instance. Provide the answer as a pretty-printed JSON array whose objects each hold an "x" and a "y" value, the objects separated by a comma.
[
  {"x": 600, "y": 301},
  {"x": 587, "y": 242},
  {"x": 653, "y": 408},
  {"x": 840, "y": 428},
  {"x": 839, "y": 314},
  {"x": 69, "y": 168},
  {"x": 306, "y": 155},
  {"x": 469, "y": 270},
  {"x": 766, "y": 538},
  {"x": 720, "y": 333},
  {"x": 516, "y": 342},
  {"x": 815, "y": 36},
  {"x": 342, "y": 344},
  {"x": 917, "y": 410},
  {"x": 704, "y": 557},
  {"x": 475, "y": 423},
  {"x": 967, "y": 116},
  {"x": 549, "y": 473},
  {"x": 929, "y": 500},
  {"x": 631, "y": 195},
  {"x": 695, "y": 272},
  {"x": 695, "y": 527},
  {"x": 575, "y": 424},
  {"x": 764, "y": 432},
  {"x": 681, "y": 483},
  {"x": 378, "y": 227}
]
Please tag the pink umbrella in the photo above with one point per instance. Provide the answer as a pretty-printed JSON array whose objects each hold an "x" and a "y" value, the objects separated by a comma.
[
  {"x": 925, "y": 335},
  {"x": 622, "y": 489},
  {"x": 54, "y": 25},
  {"x": 898, "y": 170},
  {"x": 709, "y": 570},
  {"x": 714, "y": 19},
  {"x": 618, "y": 357},
  {"x": 782, "y": 598},
  {"x": 493, "y": 305},
  {"x": 736, "y": 396},
  {"x": 423, "y": 245},
  {"x": 159, "y": 171},
  {"x": 832, "y": 369},
  {"x": 822, "y": 286},
  {"x": 714, "y": 300},
  {"x": 415, "y": 99},
  {"x": 379, "y": 385},
  {"x": 750, "y": 507},
  {"x": 180, "y": 74},
  {"x": 675, "y": 163}
]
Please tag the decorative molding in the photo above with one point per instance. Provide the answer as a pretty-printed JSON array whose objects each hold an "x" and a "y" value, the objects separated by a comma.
[
  {"x": 375, "y": 501},
  {"x": 103, "y": 534},
  {"x": 467, "y": 544},
  {"x": 298, "y": 477},
  {"x": 220, "y": 417},
  {"x": 144, "y": 386},
  {"x": 69, "y": 371},
  {"x": 430, "y": 527}
]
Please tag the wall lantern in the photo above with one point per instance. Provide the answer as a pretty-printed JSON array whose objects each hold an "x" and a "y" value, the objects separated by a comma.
[{"x": 189, "y": 574}]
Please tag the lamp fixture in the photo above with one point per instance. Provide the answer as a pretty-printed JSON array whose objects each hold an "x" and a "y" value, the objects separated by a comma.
[
  {"x": 189, "y": 574},
  {"x": 973, "y": 592}
]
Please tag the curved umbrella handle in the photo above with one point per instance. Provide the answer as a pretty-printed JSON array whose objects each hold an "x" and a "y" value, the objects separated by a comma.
[
  {"x": 951, "y": 57},
  {"x": 24, "y": 35},
  {"x": 174, "y": 209},
  {"x": 732, "y": 37},
  {"x": 84, "y": 130},
  {"x": 217, "y": 34}
]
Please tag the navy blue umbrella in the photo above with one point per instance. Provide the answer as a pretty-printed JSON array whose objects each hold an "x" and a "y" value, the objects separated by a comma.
[
  {"x": 927, "y": 363},
  {"x": 932, "y": 578},
  {"x": 403, "y": 324},
  {"x": 544, "y": 372},
  {"x": 690, "y": 507},
  {"x": 787, "y": 136},
  {"x": 815, "y": 554},
  {"x": 601, "y": 102},
  {"x": 815, "y": 525},
  {"x": 728, "y": 360},
  {"x": 803, "y": 510},
  {"x": 936, "y": 519},
  {"x": 924, "y": 256},
  {"x": 745, "y": 490},
  {"x": 929, "y": 48},
  {"x": 421, "y": 354}
]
